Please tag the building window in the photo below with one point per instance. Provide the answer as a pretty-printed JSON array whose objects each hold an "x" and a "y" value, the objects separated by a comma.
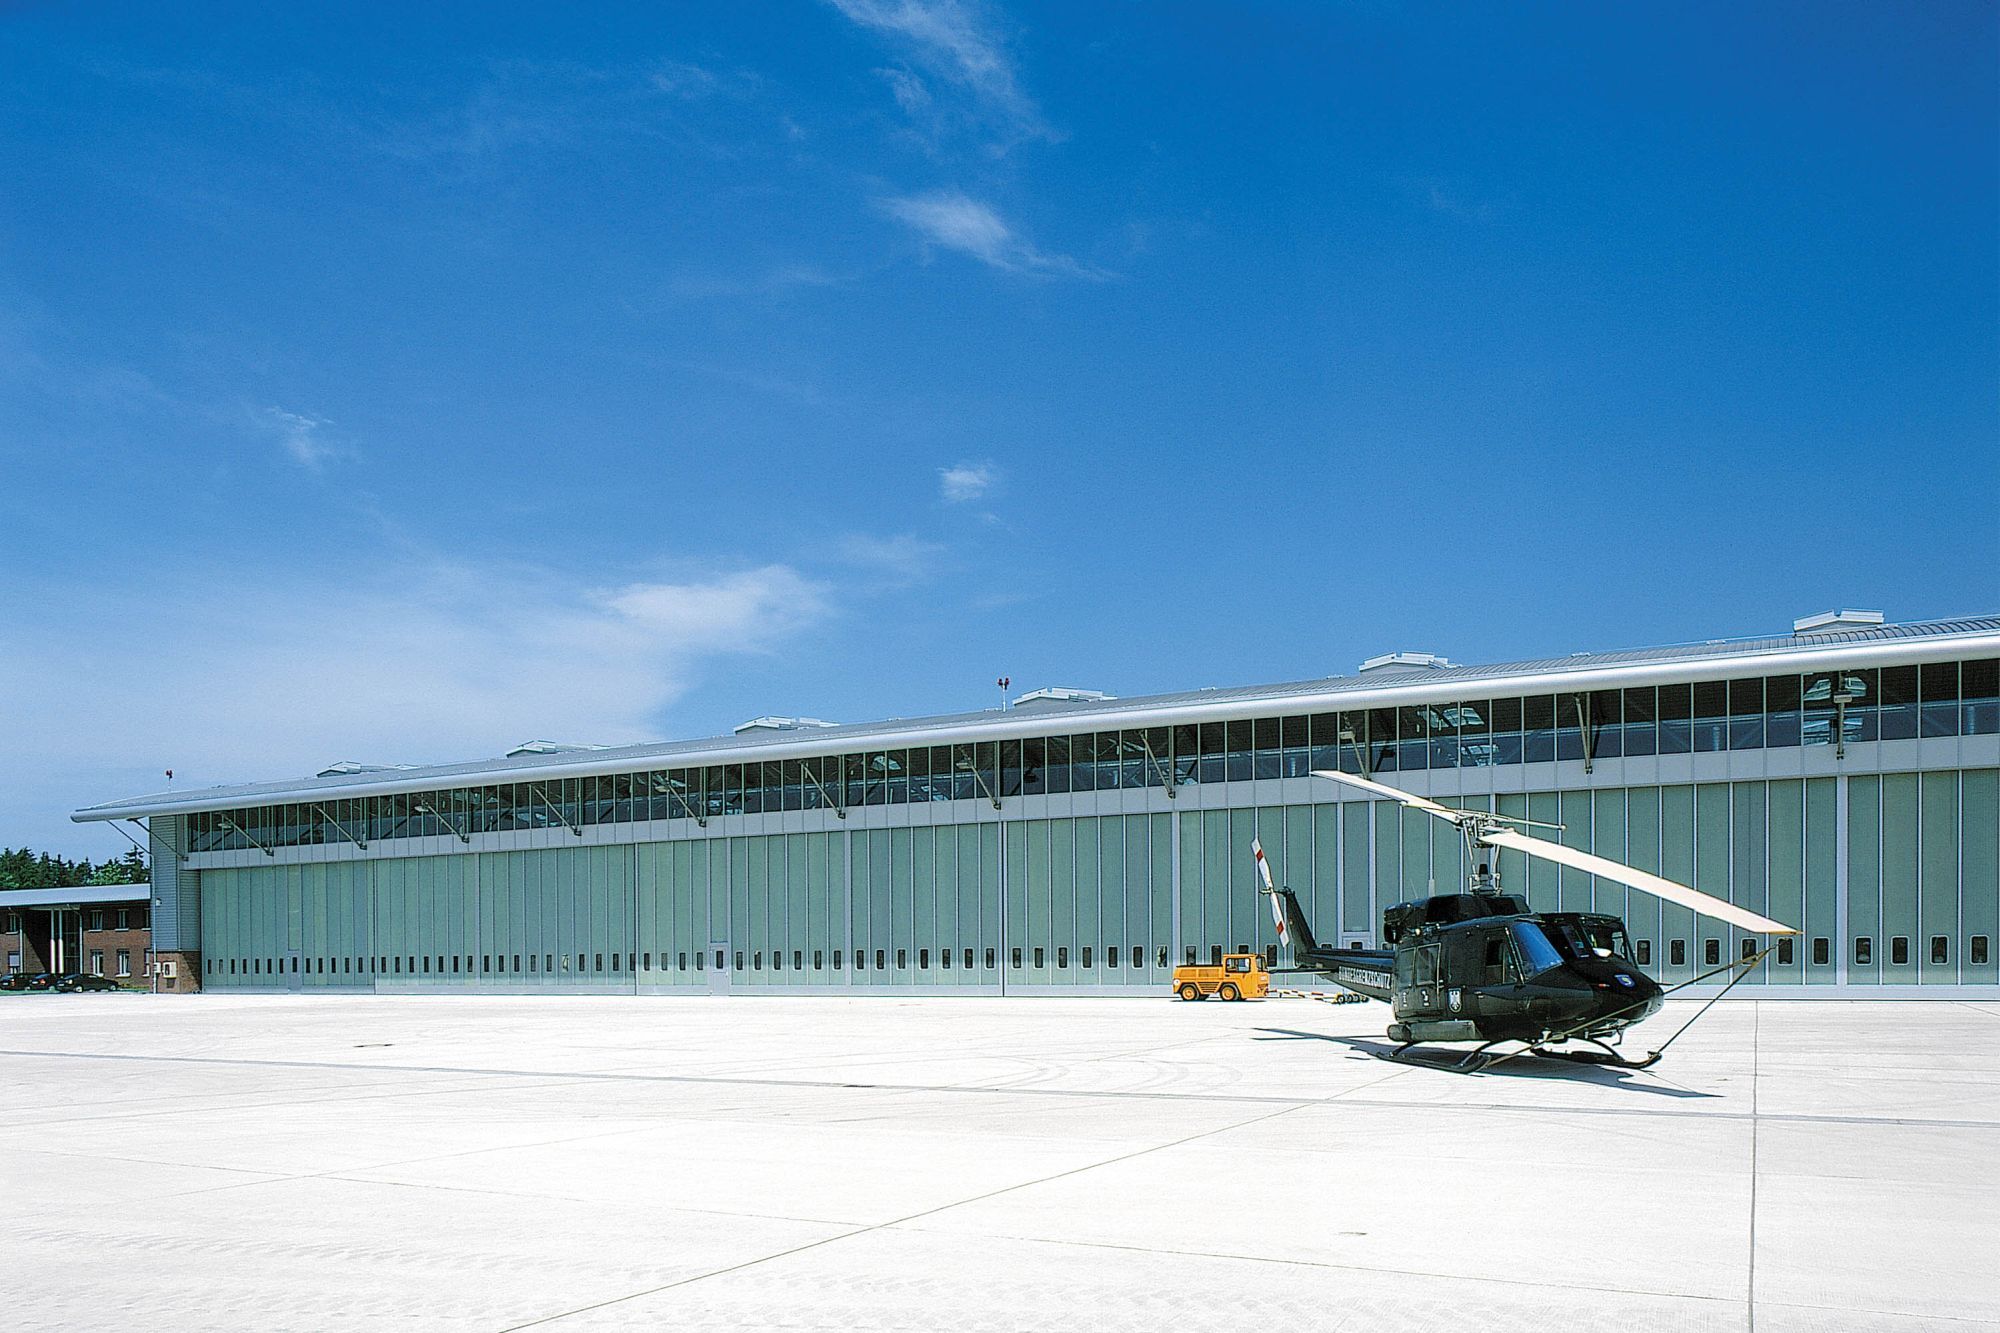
[
  {"x": 1899, "y": 950},
  {"x": 1041, "y": 957},
  {"x": 1980, "y": 946},
  {"x": 923, "y": 958},
  {"x": 989, "y": 960},
  {"x": 881, "y": 959},
  {"x": 1215, "y": 955},
  {"x": 1644, "y": 950},
  {"x": 124, "y": 919},
  {"x": 97, "y": 962},
  {"x": 1015, "y": 960},
  {"x": 1785, "y": 951},
  {"x": 968, "y": 959},
  {"x": 1711, "y": 952},
  {"x": 902, "y": 959},
  {"x": 798, "y": 959},
  {"x": 1086, "y": 955},
  {"x": 757, "y": 960},
  {"x": 819, "y": 960},
  {"x": 1062, "y": 956},
  {"x": 1820, "y": 951},
  {"x": 1749, "y": 950},
  {"x": 1864, "y": 950},
  {"x": 97, "y": 920},
  {"x": 1677, "y": 953},
  {"x": 1163, "y": 956},
  {"x": 1940, "y": 949}
]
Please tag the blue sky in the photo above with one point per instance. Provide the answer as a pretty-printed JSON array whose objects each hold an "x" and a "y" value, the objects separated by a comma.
[{"x": 400, "y": 383}]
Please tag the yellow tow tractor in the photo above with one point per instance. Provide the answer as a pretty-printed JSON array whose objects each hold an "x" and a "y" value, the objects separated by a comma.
[{"x": 1240, "y": 976}]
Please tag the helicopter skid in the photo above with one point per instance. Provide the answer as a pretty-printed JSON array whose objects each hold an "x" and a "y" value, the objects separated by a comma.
[{"x": 1475, "y": 1061}]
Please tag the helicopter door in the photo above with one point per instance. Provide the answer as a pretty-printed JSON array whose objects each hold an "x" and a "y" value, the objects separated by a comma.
[{"x": 1430, "y": 985}]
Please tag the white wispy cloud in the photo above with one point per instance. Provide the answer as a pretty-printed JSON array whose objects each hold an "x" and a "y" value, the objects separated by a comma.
[
  {"x": 967, "y": 481},
  {"x": 898, "y": 561},
  {"x": 404, "y": 662},
  {"x": 959, "y": 222},
  {"x": 908, "y": 90},
  {"x": 954, "y": 42},
  {"x": 298, "y": 435}
]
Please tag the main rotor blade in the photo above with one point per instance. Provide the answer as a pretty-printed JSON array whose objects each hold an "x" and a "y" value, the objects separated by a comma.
[
  {"x": 1264, "y": 869},
  {"x": 1679, "y": 894},
  {"x": 1393, "y": 793}
]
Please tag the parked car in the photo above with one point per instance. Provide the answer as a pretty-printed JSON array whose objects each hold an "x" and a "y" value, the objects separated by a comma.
[
  {"x": 41, "y": 981},
  {"x": 72, "y": 982},
  {"x": 20, "y": 980}
]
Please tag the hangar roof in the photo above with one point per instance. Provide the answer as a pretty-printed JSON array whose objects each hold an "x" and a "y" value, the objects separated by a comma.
[{"x": 1933, "y": 640}]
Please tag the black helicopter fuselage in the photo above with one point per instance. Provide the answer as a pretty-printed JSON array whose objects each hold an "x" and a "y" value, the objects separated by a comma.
[{"x": 1483, "y": 967}]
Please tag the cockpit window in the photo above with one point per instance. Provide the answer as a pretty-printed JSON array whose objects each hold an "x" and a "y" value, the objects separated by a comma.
[{"x": 1538, "y": 954}]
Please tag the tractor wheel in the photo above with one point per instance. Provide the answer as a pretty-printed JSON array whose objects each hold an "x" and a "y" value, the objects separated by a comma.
[
  {"x": 1228, "y": 991},
  {"x": 1190, "y": 991}
]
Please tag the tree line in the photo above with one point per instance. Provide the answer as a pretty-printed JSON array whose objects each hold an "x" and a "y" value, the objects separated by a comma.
[{"x": 25, "y": 868}]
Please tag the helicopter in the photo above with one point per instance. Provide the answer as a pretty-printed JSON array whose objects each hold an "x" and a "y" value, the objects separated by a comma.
[{"x": 1484, "y": 966}]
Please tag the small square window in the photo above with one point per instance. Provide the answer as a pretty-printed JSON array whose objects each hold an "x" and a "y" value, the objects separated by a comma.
[
  {"x": 1821, "y": 950},
  {"x": 1980, "y": 949},
  {"x": 681, "y": 961},
  {"x": 1215, "y": 955},
  {"x": 968, "y": 959},
  {"x": 1644, "y": 949},
  {"x": 701, "y": 962},
  {"x": 1785, "y": 951},
  {"x": 1016, "y": 960},
  {"x": 739, "y": 960},
  {"x": 1749, "y": 949},
  {"x": 1677, "y": 953},
  {"x": 798, "y": 959},
  {"x": 756, "y": 960},
  {"x": 881, "y": 959},
  {"x": 1190, "y": 955},
  {"x": 1062, "y": 956},
  {"x": 1940, "y": 949},
  {"x": 647, "y": 963},
  {"x": 902, "y": 959},
  {"x": 600, "y": 962},
  {"x": 944, "y": 959},
  {"x": 1711, "y": 952},
  {"x": 836, "y": 960},
  {"x": 1864, "y": 950},
  {"x": 1041, "y": 957},
  {"x": 1899, "y": 950},
  {"x": 1086, "y": 955},
  {"x": 923, "y": 957},
  {"x": 819, "y": 960},
  {"x": 990, "y": 959}
]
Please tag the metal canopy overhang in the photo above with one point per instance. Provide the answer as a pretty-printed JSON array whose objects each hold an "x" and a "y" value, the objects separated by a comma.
[
  {"x": 76, "y": 895},
  {"x": 1338, "y": 693}
]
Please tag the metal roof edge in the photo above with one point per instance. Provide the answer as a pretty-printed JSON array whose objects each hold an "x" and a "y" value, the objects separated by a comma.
[{"x": 1296, "y": 697}]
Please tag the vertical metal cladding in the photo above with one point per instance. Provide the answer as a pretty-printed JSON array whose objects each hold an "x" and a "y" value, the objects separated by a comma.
[{"x": 1090, "y": 902}]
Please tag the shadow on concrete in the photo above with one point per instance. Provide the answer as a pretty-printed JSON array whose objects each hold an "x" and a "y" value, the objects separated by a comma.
[{"x": 1446, "y": 1061}]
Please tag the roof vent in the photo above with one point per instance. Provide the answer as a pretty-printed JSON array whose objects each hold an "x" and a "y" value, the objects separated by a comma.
[
  {"x": 1832, "y": 622},
  {"x": 348, "y": 767},
  {"x": 548, "y": 747},
  {"x": 1406, "y": 662},
  {"x": 775, "y": 723},
  {"x": 1062, "y": 694}
]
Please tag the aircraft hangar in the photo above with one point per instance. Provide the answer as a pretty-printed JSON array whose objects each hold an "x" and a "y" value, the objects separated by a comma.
[{"x": 1844, "y": 776}]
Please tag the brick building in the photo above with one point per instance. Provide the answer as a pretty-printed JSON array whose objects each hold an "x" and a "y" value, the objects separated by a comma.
[{"x": 102, "y": 929}]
